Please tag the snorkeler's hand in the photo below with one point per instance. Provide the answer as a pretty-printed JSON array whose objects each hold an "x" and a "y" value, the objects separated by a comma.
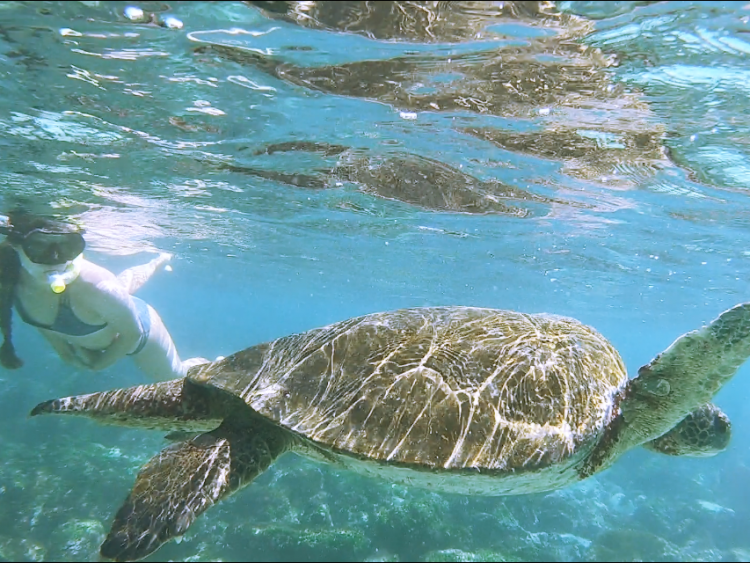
[
  {"x": 83, "y": 357},
  {"x": 162, "y": 259},
  {"x": 102, "y": 359},
  {"x": 93, "y": 359},
  {"x": 8, "y": 357},
  {"x": 65, "y": 350}
]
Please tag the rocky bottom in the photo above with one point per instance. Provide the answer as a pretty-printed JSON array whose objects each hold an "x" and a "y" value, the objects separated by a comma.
[{"x": 57, "y": 498}]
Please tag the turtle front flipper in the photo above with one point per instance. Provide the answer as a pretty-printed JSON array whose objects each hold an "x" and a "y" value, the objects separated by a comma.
[
  {"x": 185, "y": 479},
  {"x": 703, "y": 433}
]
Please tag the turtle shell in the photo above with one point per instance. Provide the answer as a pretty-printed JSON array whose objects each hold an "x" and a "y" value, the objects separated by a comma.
[{"x": 436, "y": 388}]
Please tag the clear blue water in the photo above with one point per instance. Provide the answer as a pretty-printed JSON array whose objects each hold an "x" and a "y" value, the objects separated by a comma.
[{"x": 620, "y": 131}]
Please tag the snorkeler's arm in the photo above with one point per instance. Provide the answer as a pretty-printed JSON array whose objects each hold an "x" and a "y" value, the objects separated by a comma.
[
  {"x": 133, "y": 278},
  {"x": 118, "y": 310}
]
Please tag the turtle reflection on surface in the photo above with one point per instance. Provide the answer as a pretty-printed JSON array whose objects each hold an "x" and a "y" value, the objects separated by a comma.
[
  {"x": 412, "y": 179},
  {"x": 424, "y": 22},
  {"x": 588, "y": 154},
  {"x": 541, "y": 74}
]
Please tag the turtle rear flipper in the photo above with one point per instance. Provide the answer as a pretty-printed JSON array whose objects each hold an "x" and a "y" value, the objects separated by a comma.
[
  {"x": 187, "y": 478},
  {"x": 169, "y": 405}
]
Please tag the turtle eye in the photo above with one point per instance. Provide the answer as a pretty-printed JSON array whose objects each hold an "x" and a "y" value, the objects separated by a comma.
[
  {"x": 662, "y": 388},
  {"x": 655, "y": 387}
]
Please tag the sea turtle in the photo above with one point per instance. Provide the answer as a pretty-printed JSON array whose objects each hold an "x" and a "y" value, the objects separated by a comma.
[{"x": 460, "y": 399}]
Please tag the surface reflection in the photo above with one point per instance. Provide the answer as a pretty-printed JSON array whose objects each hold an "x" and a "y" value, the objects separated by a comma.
[
  {"x": 539, "y": 72},
  {"x": 412, "y": 179},
  {"x": 415, "y": 21}
]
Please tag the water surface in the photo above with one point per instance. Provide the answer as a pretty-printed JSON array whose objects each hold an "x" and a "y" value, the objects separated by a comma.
[{"x": 308, "y": 162}]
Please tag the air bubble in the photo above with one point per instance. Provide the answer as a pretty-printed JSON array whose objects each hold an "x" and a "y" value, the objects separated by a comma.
[
  {"x": 134, "y": 13},
  {"x": 172, "y": 22}
]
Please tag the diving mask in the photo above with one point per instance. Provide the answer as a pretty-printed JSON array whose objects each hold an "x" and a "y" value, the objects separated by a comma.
[
  {"x": 57, "y": 276},
  {"x": 50, "y": 248}
]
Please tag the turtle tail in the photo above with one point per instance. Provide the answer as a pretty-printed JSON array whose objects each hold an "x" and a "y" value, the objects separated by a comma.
[
  {"x": 168, "y": 405},
  {"x": 185, "y": 479}
]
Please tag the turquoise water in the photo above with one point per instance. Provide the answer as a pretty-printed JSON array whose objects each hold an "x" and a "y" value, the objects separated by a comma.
[{"x": 308, "y": 163}]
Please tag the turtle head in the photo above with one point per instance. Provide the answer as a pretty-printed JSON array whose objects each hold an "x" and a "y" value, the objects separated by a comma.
[
  {"x": 686, "y": 376},
  {"x": 666, "y": 407},
  {"x": 705, "y": 432}
]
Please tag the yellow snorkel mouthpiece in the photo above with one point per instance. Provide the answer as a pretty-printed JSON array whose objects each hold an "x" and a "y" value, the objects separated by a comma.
[
  {"x": 58, "y": 281},
  {"x": 58, "y": 285}
]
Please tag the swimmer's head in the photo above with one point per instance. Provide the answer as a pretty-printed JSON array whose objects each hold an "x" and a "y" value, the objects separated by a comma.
[
  {"x": 48, "y": 249},
  {"x": 44, "y": 241}
]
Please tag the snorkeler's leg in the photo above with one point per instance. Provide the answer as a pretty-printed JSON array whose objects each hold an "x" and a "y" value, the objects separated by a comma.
[
  {"x": 159, "y": 359},
  {"x": 134, "y": 278}
]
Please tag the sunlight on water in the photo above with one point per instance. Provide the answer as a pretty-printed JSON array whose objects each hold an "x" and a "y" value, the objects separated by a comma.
[{"x": 308, "y": 162}]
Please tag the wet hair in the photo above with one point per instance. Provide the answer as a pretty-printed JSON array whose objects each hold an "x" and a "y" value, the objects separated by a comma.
[{"x": 20, "y": 224}]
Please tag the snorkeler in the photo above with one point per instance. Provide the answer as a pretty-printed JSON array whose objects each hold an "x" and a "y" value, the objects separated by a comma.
[{"x": 84, "y": 311}]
